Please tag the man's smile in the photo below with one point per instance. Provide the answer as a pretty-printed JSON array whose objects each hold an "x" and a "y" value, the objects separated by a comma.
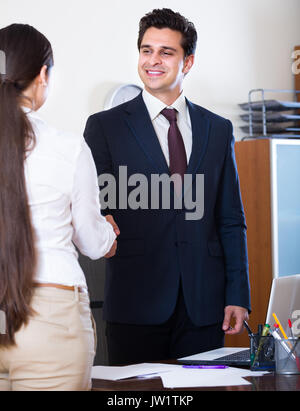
[{"x": 154, "y": 73}]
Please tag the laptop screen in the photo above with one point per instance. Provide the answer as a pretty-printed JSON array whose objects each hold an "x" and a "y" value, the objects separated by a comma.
[{"x": 285, "y": 303}]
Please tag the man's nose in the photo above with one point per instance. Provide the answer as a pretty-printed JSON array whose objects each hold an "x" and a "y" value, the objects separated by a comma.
[{"x": 155, "y": 59}]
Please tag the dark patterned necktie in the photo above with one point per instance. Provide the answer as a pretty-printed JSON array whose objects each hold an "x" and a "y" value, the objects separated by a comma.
[{"x": 178, "y": 161}]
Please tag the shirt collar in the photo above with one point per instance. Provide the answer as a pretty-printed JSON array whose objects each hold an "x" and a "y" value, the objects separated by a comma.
[
  {"x": 155, "y": 106},
  {"x": 30, "y": 112}
]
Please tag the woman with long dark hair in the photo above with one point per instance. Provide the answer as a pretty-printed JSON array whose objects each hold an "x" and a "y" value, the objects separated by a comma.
[{"x": 49, "y": 201}]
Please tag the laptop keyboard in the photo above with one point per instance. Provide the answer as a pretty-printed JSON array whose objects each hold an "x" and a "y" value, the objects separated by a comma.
[{"x": 237, "y": 356}]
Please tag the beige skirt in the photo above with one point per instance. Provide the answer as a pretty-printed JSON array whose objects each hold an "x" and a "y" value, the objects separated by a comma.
[{"x": 56, "y": 350}]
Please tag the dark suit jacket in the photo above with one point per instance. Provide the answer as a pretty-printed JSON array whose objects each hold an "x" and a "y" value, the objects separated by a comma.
[{"x": 158, "y": 247}]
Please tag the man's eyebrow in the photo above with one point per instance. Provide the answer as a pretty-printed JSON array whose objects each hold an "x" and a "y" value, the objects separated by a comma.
[{"x": 145, "y": 46}]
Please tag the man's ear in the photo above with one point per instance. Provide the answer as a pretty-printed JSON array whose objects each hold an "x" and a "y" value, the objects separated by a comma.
[{"x": 188, "y": 63}]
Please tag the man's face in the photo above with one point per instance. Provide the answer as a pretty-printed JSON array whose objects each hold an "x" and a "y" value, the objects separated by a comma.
[{"x": 162, "y": 65}]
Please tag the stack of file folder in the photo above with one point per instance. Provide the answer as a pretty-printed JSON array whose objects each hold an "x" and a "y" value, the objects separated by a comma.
[{"x": 271, "y": 118}]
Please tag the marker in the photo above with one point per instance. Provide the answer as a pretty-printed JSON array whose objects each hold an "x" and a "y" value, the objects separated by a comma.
[
  {"x": 291, "y": 328},
  {"x": 206, "y": 367}
]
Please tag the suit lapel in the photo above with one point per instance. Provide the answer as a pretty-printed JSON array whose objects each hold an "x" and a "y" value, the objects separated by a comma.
[
  {"x": 140, "y": 124},
  {"x": 200, "y": 132}
]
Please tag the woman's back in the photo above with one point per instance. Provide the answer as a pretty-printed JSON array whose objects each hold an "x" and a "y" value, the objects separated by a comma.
[
  {"x": 54, "y": 171},
  {"x": 49, "y": 174}
]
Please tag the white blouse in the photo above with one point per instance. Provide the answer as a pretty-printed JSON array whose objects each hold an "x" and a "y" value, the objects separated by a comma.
[{"x": 63, "y": 196}]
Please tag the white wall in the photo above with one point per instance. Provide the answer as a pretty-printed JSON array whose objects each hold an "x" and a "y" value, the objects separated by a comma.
[{"x": 243, "y": 44}]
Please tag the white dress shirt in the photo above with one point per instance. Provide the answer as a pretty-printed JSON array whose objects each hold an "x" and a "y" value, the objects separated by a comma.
[
  {"x": 63, "y": 195},
  {"x": 161, "y": 124}
]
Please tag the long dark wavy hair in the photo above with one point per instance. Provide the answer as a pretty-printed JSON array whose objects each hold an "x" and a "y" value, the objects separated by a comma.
[{"x": 25, "y": 51}]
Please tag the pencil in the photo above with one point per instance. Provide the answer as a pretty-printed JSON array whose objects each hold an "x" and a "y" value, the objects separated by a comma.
[{"x": 280, "y": 326}]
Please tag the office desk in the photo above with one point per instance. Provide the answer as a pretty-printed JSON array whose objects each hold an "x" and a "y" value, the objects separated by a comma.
[{"x": 268, "y": 382}]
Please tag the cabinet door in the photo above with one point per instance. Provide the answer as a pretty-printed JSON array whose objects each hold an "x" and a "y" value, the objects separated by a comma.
[{"x": 286, "y": 207}]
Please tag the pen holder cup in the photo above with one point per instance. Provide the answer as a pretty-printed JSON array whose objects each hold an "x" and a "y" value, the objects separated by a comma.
[
  {"x": 262, "y": 353},
  {"x": 287, "y": 356}
]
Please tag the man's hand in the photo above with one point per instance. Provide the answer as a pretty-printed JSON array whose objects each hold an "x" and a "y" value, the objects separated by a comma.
[
  {"x": 110, "y": 219},
  {"x": 112, "y": 251},
  {"x": 239, "y": 314}
]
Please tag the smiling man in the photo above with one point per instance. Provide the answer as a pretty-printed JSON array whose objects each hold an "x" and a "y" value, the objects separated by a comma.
[
  {"x": 163, "y": 63},
  {"x": 174, "y": 286}
]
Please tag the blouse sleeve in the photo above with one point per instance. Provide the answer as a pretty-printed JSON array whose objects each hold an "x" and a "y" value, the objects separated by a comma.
[{"x": 92, "y": 234}]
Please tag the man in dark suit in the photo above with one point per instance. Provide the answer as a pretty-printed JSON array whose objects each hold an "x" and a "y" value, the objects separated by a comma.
[{"x": 177, "y": 283}]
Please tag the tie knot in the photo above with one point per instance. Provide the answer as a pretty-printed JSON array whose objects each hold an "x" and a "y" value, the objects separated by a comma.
[{"x": 170, "y": 114}]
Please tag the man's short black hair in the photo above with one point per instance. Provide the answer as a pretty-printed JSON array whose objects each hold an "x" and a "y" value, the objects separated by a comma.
[{"x": 167, "y": 18}]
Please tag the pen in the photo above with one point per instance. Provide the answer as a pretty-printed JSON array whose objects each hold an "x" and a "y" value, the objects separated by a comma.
[
  {"x": 250, "y": 333},
  {"x": 206, "y": 367}
]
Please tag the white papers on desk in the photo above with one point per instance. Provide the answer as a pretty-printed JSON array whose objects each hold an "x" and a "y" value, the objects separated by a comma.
[
  {"x": 193, "y": 377},
  {"x": 129, "y": 371},
  {"x": 175, "y": 376}
]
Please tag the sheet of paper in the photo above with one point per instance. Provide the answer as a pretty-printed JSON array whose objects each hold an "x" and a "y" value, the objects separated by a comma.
[
  {"x": 191, "y": 377},
  {"x": 129, "y": 371}
]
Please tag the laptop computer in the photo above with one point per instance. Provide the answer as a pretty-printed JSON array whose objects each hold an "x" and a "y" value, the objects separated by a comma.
[
  {"x": 284, "y": 301},
  {"x": 234, "y": 357}
]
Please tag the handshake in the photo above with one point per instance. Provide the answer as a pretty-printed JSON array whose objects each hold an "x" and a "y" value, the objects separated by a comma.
[{"x": 112, "y": 251}]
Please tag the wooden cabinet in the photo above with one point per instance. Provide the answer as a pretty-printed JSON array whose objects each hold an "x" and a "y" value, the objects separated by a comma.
[
  {"x": 253, "y": 162},
  {"x": 269, "y": 172}
]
